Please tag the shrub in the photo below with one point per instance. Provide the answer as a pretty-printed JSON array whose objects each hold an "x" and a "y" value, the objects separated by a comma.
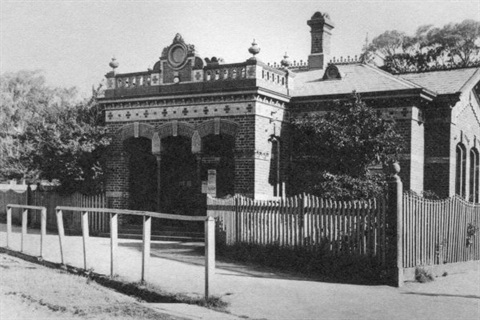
[{"x": 423, "y": 275}]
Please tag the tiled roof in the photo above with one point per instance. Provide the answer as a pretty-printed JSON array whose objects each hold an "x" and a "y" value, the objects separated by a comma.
[
  {"x": 441, "y": 82},
  {"x": 355, "y": 77}
]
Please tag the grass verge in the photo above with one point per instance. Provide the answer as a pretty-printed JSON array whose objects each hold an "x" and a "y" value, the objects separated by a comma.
[{"x": 142, "y": 291}]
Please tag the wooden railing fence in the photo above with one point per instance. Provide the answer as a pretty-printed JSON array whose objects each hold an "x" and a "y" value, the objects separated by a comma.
[
  {"x": 85, "y": 214},
  {"x": 341, "y": 227},
  {"x": 439, "y": 231},
  {"x": 24, "y": 217}
]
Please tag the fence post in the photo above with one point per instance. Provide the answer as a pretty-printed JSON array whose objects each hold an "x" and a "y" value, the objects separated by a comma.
[
  {"x": 9, "y": 225},
  {"x": 147, "y": 224},
  {"x": 43, "y": 230},
  {"x": 85, "y": 236},
  {"x": 394, "y": 230},
  {"x": 24, "y": 228},
  {"x": 113, "y": 243},
  {"x": 61, "y": 233},
  {"x": 209, "y": 254}
]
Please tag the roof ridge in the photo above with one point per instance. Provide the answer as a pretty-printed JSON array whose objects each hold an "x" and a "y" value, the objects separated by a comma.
[
  {"x": 392, "y": 77},
  {"x": 437, "y": 69},
  {"x": 477, "y": 72}
]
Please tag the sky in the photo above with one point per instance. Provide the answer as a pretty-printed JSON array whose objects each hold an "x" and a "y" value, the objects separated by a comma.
[{"x": 73, "y": 41}]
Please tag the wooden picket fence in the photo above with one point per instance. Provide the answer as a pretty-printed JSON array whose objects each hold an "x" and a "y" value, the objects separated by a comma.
[
  {"x": 341, "y": 227},
  {"x": 98, "y": 222},
  {"x": 11, "y": 196},
  {"x": 49, "y": 199},
  {"x": 437, "y": 231}
]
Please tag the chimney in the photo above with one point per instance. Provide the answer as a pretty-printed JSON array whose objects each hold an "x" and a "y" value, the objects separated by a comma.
[{"x": 321, "y": 28}]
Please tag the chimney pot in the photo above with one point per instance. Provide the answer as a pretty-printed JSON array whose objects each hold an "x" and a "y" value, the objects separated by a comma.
[{"x": 321, "y": 27}]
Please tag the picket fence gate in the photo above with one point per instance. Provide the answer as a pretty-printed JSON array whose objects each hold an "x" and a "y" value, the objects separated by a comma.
[{"x": 439, "y": 231}]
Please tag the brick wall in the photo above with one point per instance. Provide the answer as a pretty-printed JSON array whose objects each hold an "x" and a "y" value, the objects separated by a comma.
[
  {"x": 244, "y": 158},
  {"x": 411, "y": 127},
  {"x": 437, "y": 150},
  {"x": 465, "y": 129}
]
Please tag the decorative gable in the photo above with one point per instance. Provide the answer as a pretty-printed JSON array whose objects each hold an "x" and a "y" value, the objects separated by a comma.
[{"x": 178, "y": 60}]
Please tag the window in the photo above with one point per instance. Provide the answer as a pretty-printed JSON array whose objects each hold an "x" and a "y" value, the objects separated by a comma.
[
  {"x": 460, "y": 173},
  {"x": 474, "y": 175}
]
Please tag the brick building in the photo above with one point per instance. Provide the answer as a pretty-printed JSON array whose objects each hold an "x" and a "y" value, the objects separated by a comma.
[{"x": 190, "y": 121}]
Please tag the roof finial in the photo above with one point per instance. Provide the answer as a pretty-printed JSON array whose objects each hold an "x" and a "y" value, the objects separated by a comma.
[
  {"x": 285, "y": 61},
  {"x": 113, "y": 64},
  {"x": 254, "y": 50}
]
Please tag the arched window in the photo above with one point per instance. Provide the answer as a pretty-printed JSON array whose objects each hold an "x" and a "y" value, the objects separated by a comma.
[
  {"x": 460, "y": 172},
  {"x": 474, "y": 175}
]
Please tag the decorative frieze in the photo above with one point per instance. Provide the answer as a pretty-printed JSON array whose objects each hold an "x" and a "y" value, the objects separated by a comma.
[
  {"x": 200, "y": 107},
  {"x": 180, "y": 112},
  {"x": 128, "y": 104}
]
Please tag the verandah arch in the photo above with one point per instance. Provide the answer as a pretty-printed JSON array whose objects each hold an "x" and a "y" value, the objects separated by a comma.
[
  {"x": 211, "y": 133},
  {"x": 217, "y": 153}
]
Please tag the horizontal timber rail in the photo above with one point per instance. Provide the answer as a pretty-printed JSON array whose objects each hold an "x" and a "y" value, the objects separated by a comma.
[
  {"x": 43, "y": 224},
  {"x": 135, "y": 212},
  {"x": 147, "y": 226}
]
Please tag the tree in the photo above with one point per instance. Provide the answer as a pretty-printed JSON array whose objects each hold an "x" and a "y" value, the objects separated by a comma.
[
  {"x": 453, "y": 45},
  {"x": 48, "y": 133},
  {"x": 333, "y": 152}
]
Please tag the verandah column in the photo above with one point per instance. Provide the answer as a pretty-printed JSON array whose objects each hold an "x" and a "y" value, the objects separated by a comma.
[
  {"x": 159, "y": 182},
  {"x": 156, "y": 151},
  {"x": 197, "y": 151}
]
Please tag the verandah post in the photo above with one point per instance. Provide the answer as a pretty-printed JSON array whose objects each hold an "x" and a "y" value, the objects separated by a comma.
[{"x": 394, "y": 230}]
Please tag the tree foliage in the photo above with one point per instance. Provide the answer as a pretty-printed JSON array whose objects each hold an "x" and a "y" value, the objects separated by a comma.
[
  {"x": 50, "y": 134},
  {"x": 334, "y": 152},
  {"x": 453, "y": 45}
]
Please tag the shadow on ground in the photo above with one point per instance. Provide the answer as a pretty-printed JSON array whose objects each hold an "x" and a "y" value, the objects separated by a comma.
[
  {"x": 193, "y": 253},
  {"x": 471, "y": 296}
]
